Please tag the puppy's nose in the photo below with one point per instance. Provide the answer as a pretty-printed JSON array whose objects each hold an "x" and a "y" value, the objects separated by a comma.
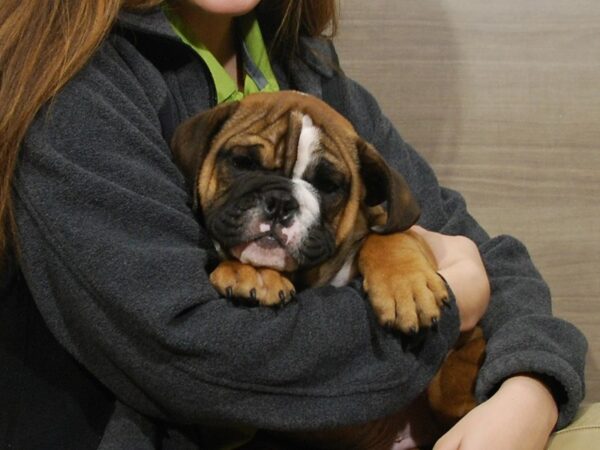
[{"x": 279, "y": 206}]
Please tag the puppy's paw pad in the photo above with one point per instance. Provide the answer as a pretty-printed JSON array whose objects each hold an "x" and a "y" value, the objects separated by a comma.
[
  {"x": 404, "y": 302},
  {"x": 268, "y": 287},
  {"x": 275, "y": 288}
]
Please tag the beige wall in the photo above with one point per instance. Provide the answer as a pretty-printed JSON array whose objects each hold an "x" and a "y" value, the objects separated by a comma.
[{"x": 503, "y": 99}]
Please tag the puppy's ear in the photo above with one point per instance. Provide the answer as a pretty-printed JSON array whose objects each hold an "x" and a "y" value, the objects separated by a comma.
[
  {"x": 384, "y": 185},
  {"x": 193, "y": 138}
]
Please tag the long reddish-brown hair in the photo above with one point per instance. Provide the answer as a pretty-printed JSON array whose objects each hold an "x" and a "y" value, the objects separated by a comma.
[{"x": 44, "y": 44}]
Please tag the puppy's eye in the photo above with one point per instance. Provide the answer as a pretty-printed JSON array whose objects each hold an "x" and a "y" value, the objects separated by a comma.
[
  {"x": 245, "y": 162},
  {"x": 326, "y": 179},
  {"x": 326, "y": 185}
]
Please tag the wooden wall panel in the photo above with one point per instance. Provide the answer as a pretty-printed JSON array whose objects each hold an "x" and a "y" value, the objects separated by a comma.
[{"x": 503, "y": 99}]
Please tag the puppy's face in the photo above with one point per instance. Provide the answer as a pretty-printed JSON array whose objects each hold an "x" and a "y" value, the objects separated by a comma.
[
  {"x": 283, "y": 181},
  {"x": 267, "y": 214}
]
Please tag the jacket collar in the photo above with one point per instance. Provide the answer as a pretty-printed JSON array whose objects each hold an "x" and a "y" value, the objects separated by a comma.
[
  {"x": 316, "y": 53},
  {"x": 153, "y": 22}
]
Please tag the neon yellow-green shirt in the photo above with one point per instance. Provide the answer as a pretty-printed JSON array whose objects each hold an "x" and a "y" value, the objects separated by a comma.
[{"x": 258, "y": 74}]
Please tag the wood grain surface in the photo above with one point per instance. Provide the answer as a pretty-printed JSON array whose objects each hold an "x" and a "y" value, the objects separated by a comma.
[{"x": 503, "y": 99}]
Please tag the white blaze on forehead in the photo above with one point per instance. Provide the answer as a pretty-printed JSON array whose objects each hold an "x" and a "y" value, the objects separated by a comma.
[
  {"x": 308, "y": 214},
  {"x": 309, "y": 211},
  {"x": 307, "y": 145}
]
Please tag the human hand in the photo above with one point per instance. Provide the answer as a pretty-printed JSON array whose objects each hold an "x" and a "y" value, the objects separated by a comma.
[
  {"x": 459, "y": 262},
  {"x": 519, "y": 416}
]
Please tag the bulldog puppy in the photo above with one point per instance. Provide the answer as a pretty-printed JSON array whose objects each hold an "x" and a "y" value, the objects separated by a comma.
[{"x": 293, "y": 197}]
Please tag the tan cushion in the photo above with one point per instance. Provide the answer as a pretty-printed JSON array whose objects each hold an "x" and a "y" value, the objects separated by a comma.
[{"x": 582, "y": 434}]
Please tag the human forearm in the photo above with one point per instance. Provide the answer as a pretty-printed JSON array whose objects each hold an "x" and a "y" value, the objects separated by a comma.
[
  {"x": 459, "y": 263},
  {"x": 522, "y": 335},
  {"x": 519, "y": 416}
]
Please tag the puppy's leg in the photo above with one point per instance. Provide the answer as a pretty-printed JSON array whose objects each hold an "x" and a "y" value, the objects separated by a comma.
[
  {"x": 266, "y": 286},
  {"x": 401, "y": 281},
  {"x": 451, "y": 393}
]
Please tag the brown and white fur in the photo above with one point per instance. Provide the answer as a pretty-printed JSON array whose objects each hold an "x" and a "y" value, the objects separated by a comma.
[{"x": 292, "y": 197}]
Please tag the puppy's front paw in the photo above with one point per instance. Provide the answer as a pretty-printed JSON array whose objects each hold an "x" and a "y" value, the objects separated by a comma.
[
  {"x": 266, "y": 286},
  {"x": 404, "y": 289},
  {"x": 406, "y": 300}
]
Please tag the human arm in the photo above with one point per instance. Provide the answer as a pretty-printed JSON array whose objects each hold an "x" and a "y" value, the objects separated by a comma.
[
  {"x": 117, "y": 264},
  {"x": 522, "y": 413},
  {"x": 460, "y": 264},
  {"x": 520, "y": 416},
  {"x": 522, "y": 335}
]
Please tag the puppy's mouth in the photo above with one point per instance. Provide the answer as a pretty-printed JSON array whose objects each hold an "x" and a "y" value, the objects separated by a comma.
[{"x": 265, "y": 250}]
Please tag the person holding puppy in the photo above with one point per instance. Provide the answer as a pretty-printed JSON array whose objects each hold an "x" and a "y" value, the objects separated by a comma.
[{"x": 106, "y": 298}]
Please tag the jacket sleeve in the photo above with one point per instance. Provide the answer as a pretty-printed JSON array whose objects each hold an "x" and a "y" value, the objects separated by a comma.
[
  {"x": 117, "y": 265},
  {"x": 522, "y": 334}
]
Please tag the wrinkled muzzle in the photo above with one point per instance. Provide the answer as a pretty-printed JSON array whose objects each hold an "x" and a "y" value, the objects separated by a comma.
[{"x": 271, "y": 221}]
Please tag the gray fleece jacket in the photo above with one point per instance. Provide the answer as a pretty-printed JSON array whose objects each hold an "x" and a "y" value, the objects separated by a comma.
[{"x": 116, "y": 263}]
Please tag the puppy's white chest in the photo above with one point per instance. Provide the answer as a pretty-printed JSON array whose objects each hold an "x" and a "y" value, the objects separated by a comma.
[{"x": 346, "y": 273}]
